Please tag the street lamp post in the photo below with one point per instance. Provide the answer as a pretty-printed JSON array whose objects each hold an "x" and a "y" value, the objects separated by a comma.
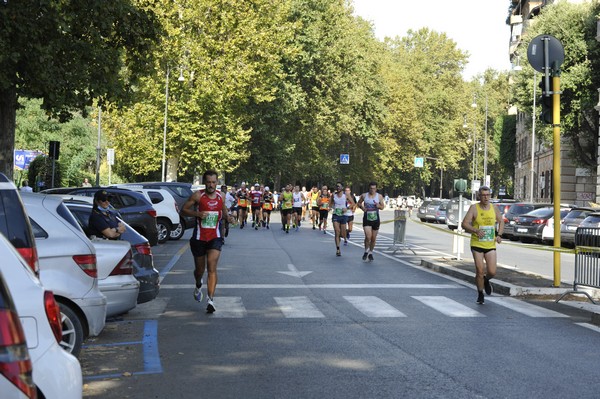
[
  {"x": 164, "y": 148},
  {"x": 533, "y": 136},
  {"x": 485, "y": 144}
]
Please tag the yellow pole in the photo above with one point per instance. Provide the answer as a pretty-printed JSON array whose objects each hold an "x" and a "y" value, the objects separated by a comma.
[{"x": 556, "y": 174}]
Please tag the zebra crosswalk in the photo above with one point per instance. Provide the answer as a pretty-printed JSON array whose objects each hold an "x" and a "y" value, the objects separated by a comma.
[{"x": 303, "y": 307}]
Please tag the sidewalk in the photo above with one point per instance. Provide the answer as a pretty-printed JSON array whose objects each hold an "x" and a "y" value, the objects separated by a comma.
[{"x": 511, "y": 282}]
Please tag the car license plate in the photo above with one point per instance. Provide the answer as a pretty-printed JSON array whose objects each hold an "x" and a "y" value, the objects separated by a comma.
[
  {"x": 512, "y": 222},
  {"x": 521, "y": 230},
  {"x": 571, "y": 228}
]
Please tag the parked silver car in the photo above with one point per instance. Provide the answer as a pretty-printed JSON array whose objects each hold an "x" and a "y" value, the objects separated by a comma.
[
  {"x": 67, "y": 260},
  {"x": 452, "y": 212}
]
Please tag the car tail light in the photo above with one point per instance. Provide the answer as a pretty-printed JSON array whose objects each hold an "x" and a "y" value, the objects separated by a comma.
[
  {"x": 144, "y": 249},
  {"x": 31, "y": 257},
  {"x": 124, "y": 267},
  {"x": 87, "y": 263},
  {"x": 505, "y": 219},
  {"x": 538, "y": 221},
  {"x": 15, "y": 363},
  {"x": 151, "y": 213},
  {"x": 53, "y": 315}
]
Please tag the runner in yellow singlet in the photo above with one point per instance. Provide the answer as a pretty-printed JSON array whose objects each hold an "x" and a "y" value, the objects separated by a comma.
[
  {"x": 287, "y": 201},
  {"x": 481, "y": 221},
  {"x": 313, "y": 197}
]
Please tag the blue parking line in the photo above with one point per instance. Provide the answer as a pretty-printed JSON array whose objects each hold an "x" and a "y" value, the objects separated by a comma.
[
  {"x": 152, "y": 364},
  {"x": 150, "y": 342}
]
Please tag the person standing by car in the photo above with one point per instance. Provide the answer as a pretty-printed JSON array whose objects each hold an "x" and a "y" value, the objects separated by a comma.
[
  {"x": 481, "y": 220},
  {"x": 208, "y": 206},
  {"x": 103, "y": 222},
  {"x": 25, "y": 187}
]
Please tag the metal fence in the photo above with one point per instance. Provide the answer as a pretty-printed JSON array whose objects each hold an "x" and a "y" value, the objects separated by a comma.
[{"x": 587, "y": 260}]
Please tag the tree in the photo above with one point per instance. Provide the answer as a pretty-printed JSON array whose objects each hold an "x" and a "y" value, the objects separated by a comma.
[
  {"x": 575, "y": 26},
  {"x": 69, "y": 53}
]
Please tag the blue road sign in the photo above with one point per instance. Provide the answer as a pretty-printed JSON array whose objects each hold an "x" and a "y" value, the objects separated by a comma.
[
  {"x": 344, "y": 159},
  {"x": 419, "y": 162}
]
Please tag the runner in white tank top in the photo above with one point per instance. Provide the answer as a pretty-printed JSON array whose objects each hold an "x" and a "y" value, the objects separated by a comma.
[{"x": 339, "y": 203}]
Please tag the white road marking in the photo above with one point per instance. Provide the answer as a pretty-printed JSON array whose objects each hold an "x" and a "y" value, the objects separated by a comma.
[
  {"x": 315, "y": 286},
  {"x": 524, "y": 307},
  {"x": 294, "y": 272},
  {"x": 371, "y": 306},
  {"x": 590, "y": 326},
  {"x": 229, "y": 307},
  {"x": 296, "y": 307},
  {"x": 448, "y": 306}
]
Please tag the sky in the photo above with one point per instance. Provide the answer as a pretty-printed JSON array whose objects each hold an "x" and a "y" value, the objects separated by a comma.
[{"x": 478, "y": 27}]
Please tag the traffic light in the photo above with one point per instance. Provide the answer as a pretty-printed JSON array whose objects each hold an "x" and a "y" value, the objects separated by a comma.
[
  {"x": 546, "y": 115},
  {"x": 54, "y": 150}
]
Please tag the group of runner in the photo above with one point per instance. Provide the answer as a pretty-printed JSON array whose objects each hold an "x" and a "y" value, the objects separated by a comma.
[{"x": 215, "y": 210}]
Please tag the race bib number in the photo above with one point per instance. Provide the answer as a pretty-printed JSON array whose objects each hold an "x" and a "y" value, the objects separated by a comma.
[
  {"x": 313, "y": 203},
  {"x": 210, "y": 221},
  {"x": 338, "y": 211},
  {"x": 371, "y": 216},
  {"x": 267, "y": 206},
  {"x": 489, "y": 233},
  {"x": 325, "y": 205},
  {"x": 287, "y": 204},
  {"x": 242, "y": 202}
]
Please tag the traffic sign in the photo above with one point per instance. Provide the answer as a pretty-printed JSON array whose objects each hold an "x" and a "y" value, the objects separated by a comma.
[
  {"x": 344, "y": 159},
  {"x": 419, "y": 162},
  {"x": 110, "y": 156},
  {"x": 545, "y": 51}
]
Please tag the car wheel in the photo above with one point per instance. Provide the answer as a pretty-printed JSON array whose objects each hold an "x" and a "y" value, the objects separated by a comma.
[
  {"x": 526, "y": 240},
  {"x": 164, "y": 230},
  {"x": 72, "y": 330},
  {"x": 452, "y": 227},
  {"x": 177, "y": 232}
]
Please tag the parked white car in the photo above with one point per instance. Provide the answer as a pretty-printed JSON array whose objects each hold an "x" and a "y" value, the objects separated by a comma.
[
  {"x": 68, "y": 268},
  {"x": 115, "y": 275},
  {"x": 167, "y": 211},
  {"x": 56, "y": 373}
]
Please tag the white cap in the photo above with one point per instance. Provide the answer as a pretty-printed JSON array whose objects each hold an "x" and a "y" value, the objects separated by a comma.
[{"x": 266, "y": 188}]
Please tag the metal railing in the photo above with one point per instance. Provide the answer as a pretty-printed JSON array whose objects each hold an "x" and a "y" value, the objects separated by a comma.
[{"x": 587, "y": 261}]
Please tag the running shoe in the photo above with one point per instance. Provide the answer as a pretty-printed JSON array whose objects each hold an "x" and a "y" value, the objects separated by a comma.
[
  {"x": 365, "y": 256},
  {"x": 242, "y": 225},
  {"x": 345, "y": 242},
  {"x": 198, "y": 294},
  {"x": 287, "y": 231},
  {"x": 297, "y": 229},
  {"x": 487, "y": 286},
  {"x": 338, "y": 253},
  {"x": 480, "y": 299},
  {"x": 256, "y": 227},
  {"x": 324, "y": 231},
  {"x": 299, "y": 223},
  {"x": 210, "y": 306},
  {"x": 314, "y": 228},
  {"x": 370, "y": 257},
  {"x": 268, "y": 228}
]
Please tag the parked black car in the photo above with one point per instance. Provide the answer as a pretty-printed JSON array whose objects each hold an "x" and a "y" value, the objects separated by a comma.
[
  {"x": 143, "y": 261},
  {"x": 529, "y": 227},
  {"x": 133, "y": 207},
  {"x": 180, "y": 192},
  {"x": 516, "y": 209}
]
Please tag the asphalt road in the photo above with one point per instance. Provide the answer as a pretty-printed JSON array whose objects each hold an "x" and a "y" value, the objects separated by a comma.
[{"x": 295, "y": 321}]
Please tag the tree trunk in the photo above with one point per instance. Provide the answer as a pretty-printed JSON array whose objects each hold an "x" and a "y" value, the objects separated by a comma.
[
  {"x": 8, "y": 115},
  {"x": 172, "y": 166}
]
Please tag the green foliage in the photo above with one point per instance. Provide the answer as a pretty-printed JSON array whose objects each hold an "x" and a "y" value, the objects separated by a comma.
[
  {"x": 575, "y": 26},
  {"x": 40, "y": 173}
]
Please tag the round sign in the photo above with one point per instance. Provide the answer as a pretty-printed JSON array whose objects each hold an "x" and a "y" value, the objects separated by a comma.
[{"x": 535, "y": 52}]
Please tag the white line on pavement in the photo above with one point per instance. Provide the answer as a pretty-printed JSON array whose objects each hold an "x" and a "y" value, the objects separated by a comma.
[
  {"x": 298, "y": 307},
  {"x": 448, "y": 306},
  {"x": 311, "y": 286},
  {"x": 371, "y": 306},
  {"x": 229, "y": 307},
  {"x": 524, "y": 307}
]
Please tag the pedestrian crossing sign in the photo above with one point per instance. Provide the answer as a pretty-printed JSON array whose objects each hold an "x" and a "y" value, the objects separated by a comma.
[
  {"x": 344, "y": 159},
  {"x": 418, "y": 162}
]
